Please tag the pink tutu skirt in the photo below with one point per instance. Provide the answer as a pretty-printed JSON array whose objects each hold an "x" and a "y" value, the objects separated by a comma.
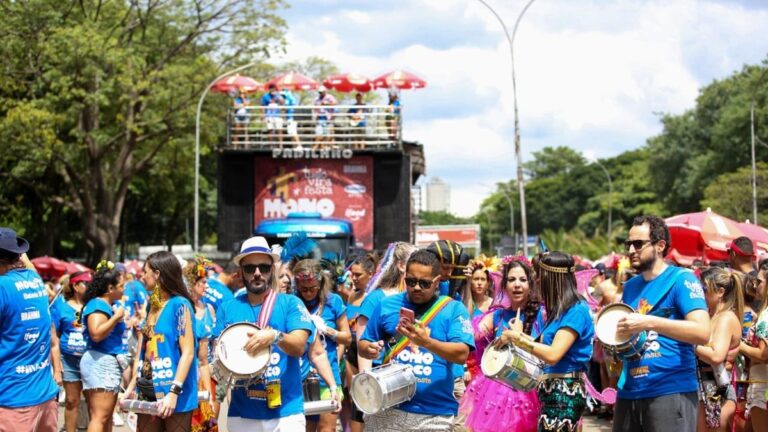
[{"x": 494, "y": 407}]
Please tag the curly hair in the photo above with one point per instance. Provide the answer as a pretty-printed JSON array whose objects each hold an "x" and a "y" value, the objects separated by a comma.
[{"x": 99, "y": 286}]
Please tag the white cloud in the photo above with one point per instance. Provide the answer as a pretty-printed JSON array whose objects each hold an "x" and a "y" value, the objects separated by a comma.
[{"x": 590, "y": 74}]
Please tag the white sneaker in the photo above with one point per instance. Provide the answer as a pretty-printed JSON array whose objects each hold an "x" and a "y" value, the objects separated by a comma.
[{"x": 117, "y": 420}]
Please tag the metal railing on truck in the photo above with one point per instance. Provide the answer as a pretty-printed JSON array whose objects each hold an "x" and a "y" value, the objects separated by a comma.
[{"x": 357, "y": 127}]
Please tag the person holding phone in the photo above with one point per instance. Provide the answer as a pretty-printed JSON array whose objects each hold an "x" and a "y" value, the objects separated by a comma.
[{"x": 435, "y": 334}]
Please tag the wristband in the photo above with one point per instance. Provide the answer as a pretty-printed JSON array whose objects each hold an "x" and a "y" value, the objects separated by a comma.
[{"x": 175, "y": 389}]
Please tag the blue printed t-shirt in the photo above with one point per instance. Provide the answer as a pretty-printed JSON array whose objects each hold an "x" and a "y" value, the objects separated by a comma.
[
  {"x": 434, "y": 375},
  {"x": 113, "y": 343},
  {"x": 216, "y": 293},
  {"x": 66, "y": 319},
  {"x": 289, "y": 314},
  {"x": 25, "y": 341},
  {"x": 134, "y": 296},
  {"x": 367, "y": 307},
  {"x": 667, "y": 366},
  {"x": 501, "y": 319},
  {"x": 332, "y": 311},
  {"x": 578, "y": 319},
  {"x": 163, "y": 353},
  {"x": 204, "y": 329}
]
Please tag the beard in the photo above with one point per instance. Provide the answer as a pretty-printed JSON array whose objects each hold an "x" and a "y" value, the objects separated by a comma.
[
  {"x": 645, "y": 263},
  {"x": 255, "y": 288}
]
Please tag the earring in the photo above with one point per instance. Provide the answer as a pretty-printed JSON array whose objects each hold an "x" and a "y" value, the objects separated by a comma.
[{"x": 154, "y": 299}]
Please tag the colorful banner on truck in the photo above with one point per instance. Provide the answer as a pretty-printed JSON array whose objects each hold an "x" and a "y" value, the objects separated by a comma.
[{"x": 334, "y": 188}]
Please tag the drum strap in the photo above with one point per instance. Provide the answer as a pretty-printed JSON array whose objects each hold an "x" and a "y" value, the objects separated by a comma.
[
  {"x": 266, "y": 309},
  {"x": 425, "y": 319}
]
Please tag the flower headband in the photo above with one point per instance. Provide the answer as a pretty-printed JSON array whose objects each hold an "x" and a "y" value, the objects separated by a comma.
[
  {"x": 202, "y": 264},
  {"x": 519, "y": 258},
  {"x": 105, "y": 265},
  {"x": 482, "y": 262}
]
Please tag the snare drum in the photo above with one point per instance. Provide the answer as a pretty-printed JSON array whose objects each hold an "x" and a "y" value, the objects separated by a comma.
[
  {"x": 512, "y": 366},
  {"x": 383, "y": 387},
  {"x": 624, "y": 348},
  {"x": 232, "y": 365}
]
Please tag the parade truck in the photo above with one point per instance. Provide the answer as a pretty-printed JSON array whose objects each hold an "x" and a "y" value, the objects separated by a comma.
[{"x": 346, "y": 185}]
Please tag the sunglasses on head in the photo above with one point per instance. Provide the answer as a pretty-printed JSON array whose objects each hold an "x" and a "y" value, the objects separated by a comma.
[
  {"x": 423, "y": 283},
  {"x": 251, "y": 268},
  {"x": 636, "y": 244}
]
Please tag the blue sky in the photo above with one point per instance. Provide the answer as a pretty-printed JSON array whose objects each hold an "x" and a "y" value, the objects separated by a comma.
[{"x": 591, "y": 75}]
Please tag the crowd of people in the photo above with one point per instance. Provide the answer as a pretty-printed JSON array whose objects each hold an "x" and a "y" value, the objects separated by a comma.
[
  {"x": 285, "y": 124},
  {"x": 406, "y": 339}
]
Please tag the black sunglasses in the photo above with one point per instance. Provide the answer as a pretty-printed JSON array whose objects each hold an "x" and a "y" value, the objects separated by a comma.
[
  {"x": 423, "y": 283},
  {"x": 251, "y": 268},
  {"x": 637, "y": 244}
]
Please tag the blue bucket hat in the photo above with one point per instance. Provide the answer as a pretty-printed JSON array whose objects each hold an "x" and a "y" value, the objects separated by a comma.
[{"x": 12, "y": 243}]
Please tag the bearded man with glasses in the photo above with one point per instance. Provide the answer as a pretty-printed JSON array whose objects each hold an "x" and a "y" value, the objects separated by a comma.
[
  {"x": 276, "y": 402},
  {"x": 430, "y": 333},
  {"x": 657, "y": 391}
]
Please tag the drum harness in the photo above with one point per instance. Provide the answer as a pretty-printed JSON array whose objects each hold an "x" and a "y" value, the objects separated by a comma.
[{"x": 423, "y": 320}]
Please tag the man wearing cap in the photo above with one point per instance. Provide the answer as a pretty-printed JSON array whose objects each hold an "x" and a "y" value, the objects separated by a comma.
[
  {"x": 741, "y": 252},
  {"x": 27, "y": 387},
  {"x": 275, "y": 403}
]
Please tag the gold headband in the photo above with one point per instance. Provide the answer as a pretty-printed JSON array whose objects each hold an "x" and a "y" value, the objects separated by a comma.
[{"x": 557, "y": 269}]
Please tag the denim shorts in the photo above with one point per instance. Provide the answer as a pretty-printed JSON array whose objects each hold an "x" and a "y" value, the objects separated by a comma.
[
  {"x": 70, "y": 367},
  {"x": 100, "y": 371}
]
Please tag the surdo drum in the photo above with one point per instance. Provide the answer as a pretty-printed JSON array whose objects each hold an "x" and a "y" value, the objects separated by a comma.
[
  {"x": 512, "y": 366},
  {"x": 232, "y": 365},
  {"x": 383, "y": 387},
  {"x": 606, "y": 329}
]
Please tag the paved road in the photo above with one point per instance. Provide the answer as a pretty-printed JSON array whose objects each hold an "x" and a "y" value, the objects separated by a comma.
[{"x": 591, "y": 424}]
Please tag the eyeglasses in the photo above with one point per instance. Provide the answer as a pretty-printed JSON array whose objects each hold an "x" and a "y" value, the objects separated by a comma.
[
  {"x": 423, "y": 283},
  {"x": 251, "y": 268},
  {"x": 637, "y": 244}
]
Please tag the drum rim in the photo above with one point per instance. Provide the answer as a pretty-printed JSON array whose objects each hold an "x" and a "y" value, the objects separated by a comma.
[
  {"x": 603, "y": 311},
  {"x": 233, "y": 376}
]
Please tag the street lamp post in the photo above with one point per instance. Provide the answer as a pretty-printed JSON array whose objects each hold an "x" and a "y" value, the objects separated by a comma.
[
  {"x": 511, "y": 215},
  {"x": 521, "y": 186},
  {"x": 197, "y": 148},
  {"x": 610, "y": 194}
]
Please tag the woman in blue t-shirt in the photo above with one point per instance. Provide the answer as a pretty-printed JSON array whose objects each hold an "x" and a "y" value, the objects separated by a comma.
[
  {"x": 565, "y": 344},
  {"x": 328, "y": 314},
  {"x": 166, "y": 366},
  {"x": 104, "y": 328},
  {"x": 65, "y": 312}
]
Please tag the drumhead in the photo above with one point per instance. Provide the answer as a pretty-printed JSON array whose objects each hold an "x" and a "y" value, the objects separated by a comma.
[
  {"x": 494, "y": 360},
  {"x": 366, "y": 393},
  {"x": 231, "y": 353},
  {"x": 608, "y": 322}
]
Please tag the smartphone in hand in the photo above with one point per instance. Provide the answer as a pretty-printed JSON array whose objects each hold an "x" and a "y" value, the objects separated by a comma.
[{"x": 407, "y": 317}]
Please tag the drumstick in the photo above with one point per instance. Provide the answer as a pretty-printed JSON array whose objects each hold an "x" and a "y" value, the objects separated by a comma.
[{"x": 518, "y": 314}]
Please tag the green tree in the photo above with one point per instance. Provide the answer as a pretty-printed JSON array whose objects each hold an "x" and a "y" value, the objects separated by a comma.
[
  {"x": 730, "y": 194},
  {"x": 553, "y": 161},
  {"x": 95, "y": 93},
  {"x": 441, "y": 218}
]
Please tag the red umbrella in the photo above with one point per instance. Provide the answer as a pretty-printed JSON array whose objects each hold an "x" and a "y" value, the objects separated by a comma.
[
  {"x": 235, "y": 83},
  {"x": 134, "y": 266},
  {"x": 348, "y": 82},
  {"x": 293, "y": 81},
  {"x": 703, "y": 235},
  {"x": 399, "y": 79},
  {"x": 757, "y": 234},
  {"x": 73, "y": 267},
  {"x": 49, "y": 268}
]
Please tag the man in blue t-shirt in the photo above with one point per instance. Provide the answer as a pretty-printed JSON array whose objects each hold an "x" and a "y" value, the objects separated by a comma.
[
  {"x": 658, "y": 390},
  {"x": 277, "y": 401},
  {"x": 27, "y": 387},
  {"x": 432, "y": 347}
]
